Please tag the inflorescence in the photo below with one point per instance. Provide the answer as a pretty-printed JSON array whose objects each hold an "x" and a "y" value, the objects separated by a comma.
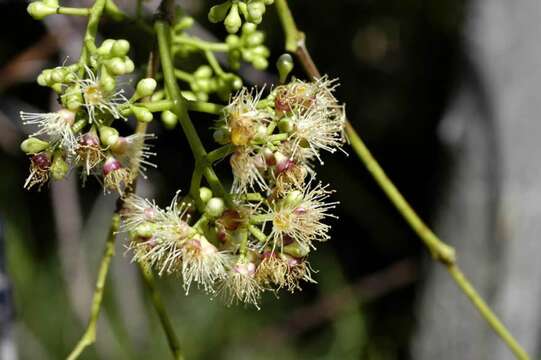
[{"x": 238, "y": 244}]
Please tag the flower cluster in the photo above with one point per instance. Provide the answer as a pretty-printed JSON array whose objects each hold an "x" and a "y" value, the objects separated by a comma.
[
  {"x": 81, "y": 134},
  {"x": 230, "y": 13},
  {"x": 257, "y": 237}
]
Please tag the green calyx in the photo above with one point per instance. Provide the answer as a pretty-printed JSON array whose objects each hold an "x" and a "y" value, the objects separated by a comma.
[{"x": 33, "y": 145}]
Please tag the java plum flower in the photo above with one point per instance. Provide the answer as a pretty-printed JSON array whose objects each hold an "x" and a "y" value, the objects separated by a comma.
[
  {"x": 240, "y": 285},
  {"x": 283, "y": 271},
  {"x": 55, "y": 126},
  {"x": 39, "y": 170},
  {"x": 248, "y": 166}
]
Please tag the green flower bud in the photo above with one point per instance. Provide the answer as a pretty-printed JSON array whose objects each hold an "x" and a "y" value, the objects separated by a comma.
[
  {"x": 218, "y": 13},
  {"x": 33, "y": 145},
  {"x": 130, "y": 66},
  {"x": 145, "y": 87},
  {"x": 222, "y": 136},
  {"x": 57, "y": 75},
  {"x": 73, "y": 103},
  {"x": 233, "y": 21},
  {"x": 57, "y": 87},
  {"x": 256, "y": 9},
  {"x": 116, "y": 66},
  {"x": 142, "y": 114},
  {"x": 145, "y": 230},
  {"x": 169, "y": 119},
  {"x": 184, "y": 23},
  {"x": 59, "y": 167},
  {"x": 203, "y": 72},
  {"x": 284, "y": 64},
  {"x": 51, "y": 3},
  {"x": 215, "y": 207},
  {"x": 106, "y": 47},
  {"x": 260, "y": 63},
  {"x": 38, "y": 10},
  {"x": 248, "y": 28},
  {"x": 261, "y": 50},
  {"x": 108, "y": 135},
  {"x": 107, "y": 82},
  {"x": 285, "y": 125},
  {"x": 297, "y": 249},
  {"x": 254, "y": 39},
  {"x": 232, "y": 40},
  {"x": 205, "y": 194},
  {"x": 268, "y": 2},
  {"x": 120, "y": 48},
  {"x": 294, "y": 197},
  {"x": 41, "y": 80}
]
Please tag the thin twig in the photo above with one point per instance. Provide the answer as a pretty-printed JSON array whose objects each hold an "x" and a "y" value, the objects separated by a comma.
[{"x": 441, "y": 252}]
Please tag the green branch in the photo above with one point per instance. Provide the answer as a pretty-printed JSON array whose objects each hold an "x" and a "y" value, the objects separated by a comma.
[{"x": 439, "y": 250}]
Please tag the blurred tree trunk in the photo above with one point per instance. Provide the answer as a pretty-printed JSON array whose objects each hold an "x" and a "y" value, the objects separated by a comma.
[{"x": 491, "y": 211}]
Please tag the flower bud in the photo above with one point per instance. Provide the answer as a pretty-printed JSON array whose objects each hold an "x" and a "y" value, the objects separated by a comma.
[
  {"x": 184, "y": 23},
  {"x": 254, "y": 39},
  {"x": 67, "y": 115},
  {"x": 297, "y": 250},
  {"x": 248, "y": 28},
  {"x": 110, "y": 165},
  {"x": 108, "y": 135},
  {"x": 116, "y": 66},
  {"x": 215, "y": 207},
  {"x": 38, "y": 10},
  {"x": 284, "y": 64},
  {"x": 33, "y": 145},
  {"x": 233, "y": 21},
  {"x": 285, "y": 125},
  {"x": 120, "y": 147},
  {"x": 203, "y": 72},
  {"x": 57, "y": 75},
  {"x": 59, "y": 167},
  {"x": 51, "y": 3},
  {"x": 146, "y": 87},
  {"x": 130, "y": 66},
  {"x": 218, "y": 13},
  {"x": 205, "y": 194},
  {"x": 260, "y": 63},
  {"x": 222, "y": 136},
  {"x": 293, "y": 198},
  {"x": 282, "y": 162},
  {"x": 120, "y": 48},
  {"x": 106, "y": 47},
  {"x": 142, "y": 114},
  {"x": 256, "y": 9},
  {"x": 169, "y": 119}
]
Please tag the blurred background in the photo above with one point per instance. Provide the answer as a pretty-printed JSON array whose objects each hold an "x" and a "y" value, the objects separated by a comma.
[{"x": 445, "y": 93}]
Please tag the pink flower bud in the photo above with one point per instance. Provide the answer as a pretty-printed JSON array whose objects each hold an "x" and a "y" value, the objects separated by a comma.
[{"x": 111, "y": 164}]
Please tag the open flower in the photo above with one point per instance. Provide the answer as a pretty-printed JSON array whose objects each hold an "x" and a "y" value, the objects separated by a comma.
[
  {"x": 240, "y": 285},
  {"x": 97, "y": 99},
  {"x": 248, "y": 166},
  {"x": 89, "y": 152},
  {"x": 243, "y": 118},
  {"x": 299, "y": 216},
  {"x": 56, "y": 126},
  {"x": 283, "y": 271}
]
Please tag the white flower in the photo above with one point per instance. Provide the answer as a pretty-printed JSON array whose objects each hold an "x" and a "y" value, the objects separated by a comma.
[
  {"x": 318, "y": 129},
  {"x": 134, "y": 152},
  {"x": 202, "y": 263},
  {"x": 97, "y": 99},
  {"x": 299, "y": 216},
  {"x": 243, "y": 119},
  {"x": 248, "y": 167},
  {"x": 241, "y": 284},
  {"x": 56, "y": 126}
]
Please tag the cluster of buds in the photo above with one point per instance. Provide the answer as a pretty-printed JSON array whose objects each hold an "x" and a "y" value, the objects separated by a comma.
[
  {"x": 256, "y": 238},
  {"x": 248, "y": 46},
  {"x": 82, "y": 134},
  {"x": 230, "y": 13}
]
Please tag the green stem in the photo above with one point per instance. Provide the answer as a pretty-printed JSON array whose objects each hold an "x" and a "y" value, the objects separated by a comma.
[
  {"x": 257, "y": 233},
  {"x": 439, "y": 250},
  {"x": 214, "y": 63},
  {"x": 184, "y": 76},
  {"x": 91, "y": 30},
  {"x": 205, "y": 107},
  {"x": 89, "y": 337},
  {"x": 73, "y": 11},
  {"x": 220, "y": 153},
  {"x": 201, "y": 44},
  {"x": 180, "y": 108},
  {"x": 162, "y": 314},
  {"x": 195, "y": 186}
]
